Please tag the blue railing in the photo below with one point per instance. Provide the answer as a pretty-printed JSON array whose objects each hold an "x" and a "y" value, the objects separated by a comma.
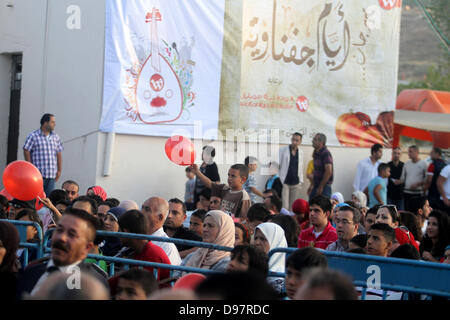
[
  {"x": 22, "y": 229},
  {"x": 401, "y": 275}
]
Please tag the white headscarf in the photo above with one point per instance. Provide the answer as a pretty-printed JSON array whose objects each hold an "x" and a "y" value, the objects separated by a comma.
[
  {"x": 275, "y": 236},
  {"x": 361, "y": 197},
  {"x": 338, "y": 197}
]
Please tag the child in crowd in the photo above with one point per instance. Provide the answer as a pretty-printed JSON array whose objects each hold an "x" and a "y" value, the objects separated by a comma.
[
  {"x": 135, "y": 284},
  {"x": 189, "y": 190},
  {"x": 196, "y": 221},
  {"x": 250, "y": 184},
  {"x": 274, "y": 181},
  {"x": 377, "y": 187},
  {"x": 235, "y": 200}
]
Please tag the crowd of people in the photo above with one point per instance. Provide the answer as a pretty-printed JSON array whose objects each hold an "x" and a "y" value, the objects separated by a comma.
[{"x": 397, "y": 210}]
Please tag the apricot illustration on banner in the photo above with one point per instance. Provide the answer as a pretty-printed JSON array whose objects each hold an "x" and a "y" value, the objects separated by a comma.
[
  {"x": 390, "y": 4},
  {"x": 302, "y": 104},
  {"x": 356, "y": 130}
]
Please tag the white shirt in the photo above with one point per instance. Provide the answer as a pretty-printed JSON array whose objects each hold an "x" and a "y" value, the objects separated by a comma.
[
  {"x": 169, "y": 248},
  {"x": 285, "y": 157},
  {"x": 67, "y": 269},
  {"x": 366, "y": 171},
  {"x": 445, "y": 172},
  {"x": 414, "y": 172}
]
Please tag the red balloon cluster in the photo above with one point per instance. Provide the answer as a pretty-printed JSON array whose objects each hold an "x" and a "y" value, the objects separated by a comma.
[
  {"x": 180, "y": 150},
  {"x": 23, "y": 181}
]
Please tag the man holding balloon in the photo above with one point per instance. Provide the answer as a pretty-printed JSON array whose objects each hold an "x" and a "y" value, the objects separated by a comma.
[{"x": 43, "y": 148}]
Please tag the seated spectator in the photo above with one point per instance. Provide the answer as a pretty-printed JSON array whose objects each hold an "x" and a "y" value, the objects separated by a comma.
[
  {"x": 196, "y": 221},
  {"x": 174, "y": 228},
  {"x": 325, "y": 284},
  {"x": 437, "y": 237},
  {"x": 215, "y": 202},
  {"x": 103, "y": 208},
  {"x": 321, "y": 234},
  {"x": 32, "y": 234},
  {"x": 242, "y": 236},
  {"x": 16, "y": 205},
  {"x": 405, "y": 251},
  {"x": 370, "y": 218},
  {"x": 171, "y": 295},
  {"x": 87, "y": 204},
  {"x": 238, "y": 286},
  {"x": 297, "y": 263},
  {"x": 218, "y": 229},
  {"x": 347, "y": 223},
  {"x": 112, "y": 245},
  {"x": 447, "y": 255},
  {"x": 290, "y": 227},
  {"x": 135, "y": 222},
  {"x": 389, "y": 215},
  {"x": 135, "y": 284},
  {"x": 360, "y": 199},
  {"x": 204, "y": 199},
  {"x": 256, "y": 215},
  {"x": 300, "y": 207},
  {"x": 98, "y": 191},
  {"x": 272, "y": 202},
  {"x": 380, "y": 239},
  {"x": 246, "y": 258},
  {"x": 4, "y": 207},
  {"x": 358, "y": 242},
  {"x": 336, "y": 198},
  {"x": 98, "y": 242},
  {"x": 62, "y": 205},
  {"x": 128, "y": 205},
  {"x": 114, "y": 202},
  {"x": 268, "y": 236},
  {"x": 9, "y": 265},
  {"x": 421, "y": 208},
  {"x": 410, "y": 223}
]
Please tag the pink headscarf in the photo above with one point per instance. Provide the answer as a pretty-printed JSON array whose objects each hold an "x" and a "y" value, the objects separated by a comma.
[
  {"x": 204, "y": 257},
  {"x": 99, "y": 191}
]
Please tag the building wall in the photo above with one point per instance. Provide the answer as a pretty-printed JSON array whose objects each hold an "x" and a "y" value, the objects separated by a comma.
[{"x": 63, "y": 74}]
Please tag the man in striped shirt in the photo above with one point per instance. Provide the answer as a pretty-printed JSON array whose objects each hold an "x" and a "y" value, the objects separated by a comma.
[{"x": 43, "y": 148}]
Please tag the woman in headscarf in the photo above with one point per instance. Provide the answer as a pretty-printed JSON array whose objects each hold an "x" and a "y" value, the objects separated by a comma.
[
  {"x": 219, "y": 229},
  {"x": 268, "y": 236},
  {"x": 9, "y": 265}
]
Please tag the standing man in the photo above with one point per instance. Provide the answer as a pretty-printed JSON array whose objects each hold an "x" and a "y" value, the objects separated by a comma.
[
  {"x": 43, "y": 148},
  {"x": 291, "y": 170},
  {"x": 72, "y": 189},
  {"x": 443, "y": 184},
  {"x": 413, "y": 175},
  {"x": 368, "y": 168},
  {"x": 395, "y": 192},
  {"x": 433, "y": 173},
  {"x": 323, "y": 168}
]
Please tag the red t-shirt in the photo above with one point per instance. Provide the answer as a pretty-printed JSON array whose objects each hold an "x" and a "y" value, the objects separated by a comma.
[
  {"x": 404, "y": 236},
  {"x": 154, "y": 253},
  {"x": 307, "y": 237}
]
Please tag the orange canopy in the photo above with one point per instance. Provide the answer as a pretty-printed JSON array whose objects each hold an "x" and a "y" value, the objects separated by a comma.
[{"x": 423, "y": 115}]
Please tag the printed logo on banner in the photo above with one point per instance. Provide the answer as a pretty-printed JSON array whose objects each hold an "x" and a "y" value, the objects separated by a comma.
[
  {"x": 390, "y": 4},
  {"x": 159, "y": 89},
  {"x": 302, "y": 104}
]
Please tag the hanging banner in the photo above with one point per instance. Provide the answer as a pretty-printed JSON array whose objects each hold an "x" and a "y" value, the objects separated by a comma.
[
  {"x": 255, "y": 68},
  {"x": 162, "y": 67}
]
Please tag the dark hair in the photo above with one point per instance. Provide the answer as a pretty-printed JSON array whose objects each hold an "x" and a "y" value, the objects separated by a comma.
[
  {"x": 388, "y": 232},
  {"x": 205, "y": 193},
  {"x": 297, "y": 134},
  {"x": 290, "y": 227},
  {"x": 100, "y": 226},
  {"x": 357, "y": 250},
  {"x": 360, "y": 240},
  {"x": 90, "y": 220},
  {"x": 321, "y": 137},
  {"x": 144, "y": 278},
  {"x": 213, "y": 151},
  {"x": 199, "y": 213},
  {"x": 244, "y": 230},
  {"x": 258, "y": 260},
  {"x": 438, "y": 249},
  {"x": 382, "y": 167},
  {"x": 237, "y": 286},
  {"x": 323, "y": 202},
  {"x": 406, "y": 251},
  {"x": 415, "y": 203},
  {"x": 57, "y": 195},
  {"x": 32, "y": 215},
  {"x": 437, "y": 150},
  {"x": 375, "y": 148},
  {"x": 134, "y": 221},
  {"x": 392, "y": 209},
  {"x": 373, "y": 210},
  {"x": 96, "y": 198},
  {"x": 93, "y": 203},
  {"x": 70, "y": 182},
  {"x": 9, "y": 237},
  {"x": 107, "y": 203},
  {"x": 188, "y": 169},
  {"x": 247, "y": 160},
  {"x": 339, "y": 283},
  {"x": 115, "y": 202},
  {"x": 273, "y": 191},
  {"x": 355, "y": 213},
  {"x": 243, "y": 169},
  {"x": 178, "y": 201},
  {"x": 46, "y": 118},
  {"x": 410, "y": 221},
  {"x": 4, "y": 203},
  {"x": 305, "y": 258},
  {"x": 258, "y": 212},
  {"x": 414, "y": 147},
  {"x": 65, "y": 202},
  {"x": 275, "y": 200}
]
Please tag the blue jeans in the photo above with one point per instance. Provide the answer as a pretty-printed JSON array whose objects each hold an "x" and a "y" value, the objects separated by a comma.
[
  {"x": 326, "y": 192},
  {"x": 49, "y": 185},
  {"x": 398, "y": 203}
]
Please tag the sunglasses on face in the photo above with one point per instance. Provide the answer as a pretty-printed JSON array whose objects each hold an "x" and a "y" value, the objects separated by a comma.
[{"x": 16, "y": 205}]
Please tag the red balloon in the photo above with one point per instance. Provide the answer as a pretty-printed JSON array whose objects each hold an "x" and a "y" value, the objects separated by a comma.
[
  {"x": 23, "y": 180},
  {"x": 180, "y": 150},
  {"x": 189, "y": 281},
  {"x": 39, "y": 205},
  {"x": 6, "y": 194}
]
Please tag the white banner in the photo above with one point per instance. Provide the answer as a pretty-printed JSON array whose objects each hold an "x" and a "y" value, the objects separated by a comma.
[{"x": 162, "y": 67}]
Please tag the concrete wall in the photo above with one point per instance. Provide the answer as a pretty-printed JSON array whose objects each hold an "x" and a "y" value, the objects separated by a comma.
[{"x": 5, "y": 92}]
